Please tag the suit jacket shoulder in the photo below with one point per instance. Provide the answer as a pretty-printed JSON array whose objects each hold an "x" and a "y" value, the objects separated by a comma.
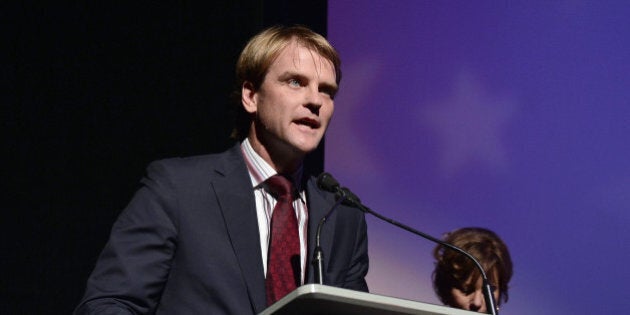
[{"x": 187, "y": 243}]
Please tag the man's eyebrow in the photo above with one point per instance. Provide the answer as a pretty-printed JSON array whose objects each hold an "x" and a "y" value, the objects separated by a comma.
[
  {"x": 330, "y": 88},
  {"x": 291, "y": 74}
]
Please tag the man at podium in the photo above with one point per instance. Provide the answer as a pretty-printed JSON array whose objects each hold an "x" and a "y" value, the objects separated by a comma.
[{"x": 231, "y": 233}]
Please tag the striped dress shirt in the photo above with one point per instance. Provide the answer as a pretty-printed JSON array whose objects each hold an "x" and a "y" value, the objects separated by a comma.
[{"x": 259, "y": 172}]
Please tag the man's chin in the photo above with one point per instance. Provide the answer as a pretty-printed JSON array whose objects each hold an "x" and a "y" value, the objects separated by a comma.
[{"x": 308, "y": 146}]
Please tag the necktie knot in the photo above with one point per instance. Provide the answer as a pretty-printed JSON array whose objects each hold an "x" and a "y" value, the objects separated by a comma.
[{"x": 280, "y": 187}]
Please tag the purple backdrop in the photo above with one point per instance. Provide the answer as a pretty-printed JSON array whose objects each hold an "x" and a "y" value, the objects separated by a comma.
[{"x": 511, "y": 115}]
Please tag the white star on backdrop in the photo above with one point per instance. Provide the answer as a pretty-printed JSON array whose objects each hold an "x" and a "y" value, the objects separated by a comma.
[{"x": 471, "y": 125}]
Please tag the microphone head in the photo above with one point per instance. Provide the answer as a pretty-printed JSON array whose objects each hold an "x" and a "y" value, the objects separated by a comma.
[
  {"x": 351, "y": 198},
  {"x": 326, "y": 182}
]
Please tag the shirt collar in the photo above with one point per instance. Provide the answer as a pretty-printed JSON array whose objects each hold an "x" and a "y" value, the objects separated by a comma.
[{"x": 260, "y": 170}]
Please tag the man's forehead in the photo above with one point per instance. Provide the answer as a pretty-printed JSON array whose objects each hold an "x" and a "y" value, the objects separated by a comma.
[{"x": 298, "y": 53}]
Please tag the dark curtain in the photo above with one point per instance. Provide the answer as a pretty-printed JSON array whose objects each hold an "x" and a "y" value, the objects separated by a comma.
[{"x": 94, "y": 91}]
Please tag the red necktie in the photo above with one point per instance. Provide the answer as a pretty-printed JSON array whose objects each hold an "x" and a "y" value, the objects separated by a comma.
[{"x": 283, "y": 264}]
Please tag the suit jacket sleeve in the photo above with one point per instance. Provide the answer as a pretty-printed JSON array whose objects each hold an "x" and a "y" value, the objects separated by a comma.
[
  {"x": 352, "y": 275},
  {"x": 343, "y": 240},
  {"x": 134, "y": 265},
  {"x": 358, "y": 269}
]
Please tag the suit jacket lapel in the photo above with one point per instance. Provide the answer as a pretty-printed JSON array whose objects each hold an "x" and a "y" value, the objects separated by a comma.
[
  {"x": 319, "y": 203},
  {"x": 239, "y": 211}
]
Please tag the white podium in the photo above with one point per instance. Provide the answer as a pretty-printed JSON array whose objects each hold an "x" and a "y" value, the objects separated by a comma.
[{"x": 316, "y": 299}]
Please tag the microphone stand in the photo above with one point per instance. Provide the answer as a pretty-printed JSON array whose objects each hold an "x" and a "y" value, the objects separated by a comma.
[
  {"x": 487, "y": 289},
  {"x": 318, "y": 255},
  {"x": 326, "y": 182}
]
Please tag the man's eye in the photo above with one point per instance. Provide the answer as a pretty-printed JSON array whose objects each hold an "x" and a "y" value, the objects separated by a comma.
[
  {"x": 329, "y": 92},
  {"x": 294, "y": 82}
]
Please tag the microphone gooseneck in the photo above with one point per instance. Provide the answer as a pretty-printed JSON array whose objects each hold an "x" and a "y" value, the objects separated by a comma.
[
  {"x": 330, "y": 184},
  {"x": 326, "y": 182}
]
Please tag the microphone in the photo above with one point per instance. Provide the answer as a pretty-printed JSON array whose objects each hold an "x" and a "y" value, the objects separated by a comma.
[
  {"x": 330, "y": 184},
  {"x": 326, "y": 182}
]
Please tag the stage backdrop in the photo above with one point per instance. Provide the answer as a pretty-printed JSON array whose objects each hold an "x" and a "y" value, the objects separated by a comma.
[{"x": 510, "y": 115}]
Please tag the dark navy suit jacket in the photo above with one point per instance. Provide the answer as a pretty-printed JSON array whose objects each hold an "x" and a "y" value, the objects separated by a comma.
[{"x": 188, "y": 243}]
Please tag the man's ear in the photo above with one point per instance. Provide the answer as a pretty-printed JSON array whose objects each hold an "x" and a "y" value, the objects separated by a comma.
[{"x": 249, "y": 97}]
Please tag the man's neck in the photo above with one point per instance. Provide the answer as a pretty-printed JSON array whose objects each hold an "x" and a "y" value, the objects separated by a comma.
[{"x": 283, "y": 161}]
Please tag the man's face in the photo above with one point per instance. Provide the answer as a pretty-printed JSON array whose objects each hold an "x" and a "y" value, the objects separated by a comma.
[{"x": 294, "y": 104}]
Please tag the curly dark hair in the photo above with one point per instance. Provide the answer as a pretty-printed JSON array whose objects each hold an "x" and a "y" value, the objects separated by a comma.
[{"x": 453, "y": 270}]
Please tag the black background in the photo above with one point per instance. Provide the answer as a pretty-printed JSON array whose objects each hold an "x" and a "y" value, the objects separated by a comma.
[{"x": 92, "y": 93}]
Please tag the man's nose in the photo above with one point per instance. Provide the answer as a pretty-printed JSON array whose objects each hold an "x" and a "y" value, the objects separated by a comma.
[{"x": 313, "y": 99}]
